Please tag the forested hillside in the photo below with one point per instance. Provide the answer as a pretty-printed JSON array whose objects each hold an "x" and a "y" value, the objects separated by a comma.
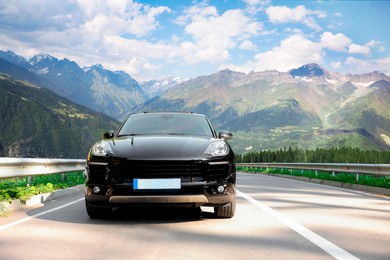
[
  {"x": 334, "y": 155},
  {"x": 35, "y": 122}
]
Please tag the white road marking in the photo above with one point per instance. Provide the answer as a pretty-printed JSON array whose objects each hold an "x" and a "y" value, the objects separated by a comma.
[
  {"x": 9, "y": 225},
  {"x": 321, "y": 242}
]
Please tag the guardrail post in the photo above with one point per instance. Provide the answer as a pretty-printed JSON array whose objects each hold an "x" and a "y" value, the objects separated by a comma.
[
  {"x": 30, "y": 180},
  {"x": 357, "y": 176}
]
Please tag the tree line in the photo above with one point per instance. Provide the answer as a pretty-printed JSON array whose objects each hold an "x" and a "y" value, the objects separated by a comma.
[{"x": 319, "y": 155}]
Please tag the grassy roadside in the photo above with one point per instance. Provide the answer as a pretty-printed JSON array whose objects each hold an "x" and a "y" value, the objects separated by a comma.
[
  {"x": 368, "y": 180},
  {"x": 20, "y": 188}
]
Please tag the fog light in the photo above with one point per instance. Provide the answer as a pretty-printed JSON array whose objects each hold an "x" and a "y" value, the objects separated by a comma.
[
  {"x": 96, "y": 189},
  {"x": 221, "y": 189}
]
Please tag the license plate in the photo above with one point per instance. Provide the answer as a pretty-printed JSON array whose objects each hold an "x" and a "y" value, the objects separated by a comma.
[{"x": 157, "y": 184}]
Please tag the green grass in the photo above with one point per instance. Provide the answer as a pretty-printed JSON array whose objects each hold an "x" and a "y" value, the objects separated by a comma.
[
  {"x": 20, "y": 188},
  {"x": 368, "y": 180}
]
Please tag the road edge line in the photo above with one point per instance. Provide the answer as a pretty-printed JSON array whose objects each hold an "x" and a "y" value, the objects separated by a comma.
[
  {"x": 9, "y": 225},
  {"x": 332, "y": 249}
]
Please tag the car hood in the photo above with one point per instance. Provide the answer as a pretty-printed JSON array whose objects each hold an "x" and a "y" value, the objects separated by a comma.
[{"x": 160, "y": 147}]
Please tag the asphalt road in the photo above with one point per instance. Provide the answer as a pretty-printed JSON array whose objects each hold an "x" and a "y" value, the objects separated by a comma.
[{"x": 276, "y": 218}]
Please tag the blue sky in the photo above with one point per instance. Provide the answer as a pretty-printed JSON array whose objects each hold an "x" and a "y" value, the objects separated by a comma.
[{"x": 158, "y": 39}]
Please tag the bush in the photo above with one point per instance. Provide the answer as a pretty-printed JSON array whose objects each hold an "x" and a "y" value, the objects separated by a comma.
[{"x": 19, "y": 188}]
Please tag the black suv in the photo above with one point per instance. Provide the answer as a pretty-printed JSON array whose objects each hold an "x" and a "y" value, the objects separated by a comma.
[{"x": 164, "y": 159}]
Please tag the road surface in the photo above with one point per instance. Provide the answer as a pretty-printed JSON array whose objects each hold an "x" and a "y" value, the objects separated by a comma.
[{"x": 276, "y": 218}]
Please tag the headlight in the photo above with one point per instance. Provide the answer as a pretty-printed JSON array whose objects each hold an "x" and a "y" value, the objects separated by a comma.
[
  {"x": 102, "y": 148},
  {"x": 218, "y": 148}
]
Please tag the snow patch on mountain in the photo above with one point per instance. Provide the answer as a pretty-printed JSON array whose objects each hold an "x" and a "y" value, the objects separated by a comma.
[
  {"x": 363, "y": 84},
  {"x": 38, "y": 58},
  {"x": 386, "y": 139},
  {"x": 43, "y": 70}
]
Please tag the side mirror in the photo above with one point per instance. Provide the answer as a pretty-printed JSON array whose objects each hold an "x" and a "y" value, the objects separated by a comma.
[
  {"x": 225, "y": 135},
  {"x": 109, "y": 134}
]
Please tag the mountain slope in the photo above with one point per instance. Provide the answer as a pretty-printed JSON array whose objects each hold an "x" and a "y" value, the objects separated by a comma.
[
  {"x": 15, "y": 59},
  {"x": 283, "y": 114},
  {"x": 38, "y": 123},
  {"x": 23, "y": 74},
  {"x": 308, "y": 107},
  {"x": 369, "y": 114},
  {"x": 112, "y": 93},
  {"x": 153, "y": 88}
]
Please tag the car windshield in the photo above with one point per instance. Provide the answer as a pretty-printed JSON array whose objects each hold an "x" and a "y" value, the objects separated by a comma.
[{"x": 173, "y": 124}]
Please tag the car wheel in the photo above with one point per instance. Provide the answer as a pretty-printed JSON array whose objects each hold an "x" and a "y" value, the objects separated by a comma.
[
  {"x": 226, "y": 211},
  {"x": 97, "y": 212}
]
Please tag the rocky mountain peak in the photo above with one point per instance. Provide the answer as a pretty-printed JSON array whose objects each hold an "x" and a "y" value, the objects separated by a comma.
[
  {"x": 368, "y": 77},
  {"x": 15, "y": 59},
  {"x": 309, "y": 71},
  {"x": 380, "y": 84},
  {"x": 41, "y": 57}
]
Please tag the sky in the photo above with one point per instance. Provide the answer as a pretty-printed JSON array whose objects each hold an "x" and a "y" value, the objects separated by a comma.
[{"x": 189, "y": 38}]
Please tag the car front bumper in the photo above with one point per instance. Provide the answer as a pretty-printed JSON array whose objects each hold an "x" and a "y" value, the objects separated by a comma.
[{"x": 209, "y": 197}]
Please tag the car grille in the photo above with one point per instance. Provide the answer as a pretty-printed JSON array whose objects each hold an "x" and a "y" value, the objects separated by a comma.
[{"x": 188, "y": 171}]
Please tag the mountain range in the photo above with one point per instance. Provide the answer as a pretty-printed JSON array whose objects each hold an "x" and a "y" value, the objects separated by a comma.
[
  {"x": 113, "y": 93},
  {"x": 307, "y": 107},
  {"x": 37, "y": 123}
]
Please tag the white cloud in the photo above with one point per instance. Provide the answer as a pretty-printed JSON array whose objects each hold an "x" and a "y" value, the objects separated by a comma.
[
  {"x": 335, "y": 42},
  {"x": 248, "y": 46},
  {"x": 299, "y": 14},
  {"x": 257, "y": 2},
  {"x": 254, "y": 6},
  {"x": 358, "y": 49},
  {"x": 130, "y": 17},
  {"x": 360, "y": 66},
  {"x": 39, "y": 15},
  {"x": 293, "y": 52},
  {"x": 196, "y": 12},
  {"x": 356, "y": 62},
  {"x": 336, "y": 64},
  {"x": 87, "y": 31},
  {"x": 361, "y": 49},
  {"x": 215, "y": 34},
  {"x": 383, "y": 65},
  {"x": 131, "y": 36},
  {"x": 284, "y": 14}
]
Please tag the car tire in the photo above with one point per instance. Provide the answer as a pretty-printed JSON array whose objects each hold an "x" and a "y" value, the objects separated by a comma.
[
  {"x": 226, "y": 211},
  {"x": 97, "y": 212}
]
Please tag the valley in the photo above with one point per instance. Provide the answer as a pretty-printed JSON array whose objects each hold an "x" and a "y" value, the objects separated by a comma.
[{"x": 308, "y": 107}]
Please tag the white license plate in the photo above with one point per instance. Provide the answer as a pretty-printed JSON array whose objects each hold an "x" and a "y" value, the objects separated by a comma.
[{"x": 157, "y": 184}]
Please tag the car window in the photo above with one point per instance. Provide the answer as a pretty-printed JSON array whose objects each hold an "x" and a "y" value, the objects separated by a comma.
[{"x": 174, "y": 124}]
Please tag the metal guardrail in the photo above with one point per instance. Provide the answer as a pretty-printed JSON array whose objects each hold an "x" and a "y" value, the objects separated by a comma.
[
  {"x": 368, "y": 169},
  {"x": 28, "y": 167}
]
